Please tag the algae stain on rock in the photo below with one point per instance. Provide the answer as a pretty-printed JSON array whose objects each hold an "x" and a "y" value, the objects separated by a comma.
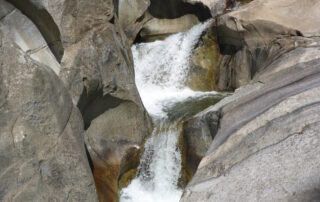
[{"x": 204, "y": 63}]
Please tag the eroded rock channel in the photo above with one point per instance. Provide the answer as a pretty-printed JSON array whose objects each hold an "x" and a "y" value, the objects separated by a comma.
[{"x": 159, "y": 100}]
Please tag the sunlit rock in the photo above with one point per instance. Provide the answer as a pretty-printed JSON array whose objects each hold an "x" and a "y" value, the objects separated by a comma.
[
  {"x": 264, "y": 147},
  {"x": 26, "y": 35},
  {"x": 132, "y": 16},
  {"x": 42, "y": 150}
]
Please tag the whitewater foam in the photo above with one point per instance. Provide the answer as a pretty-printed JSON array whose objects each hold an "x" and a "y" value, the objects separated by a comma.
[{"x": 161, "y": 70}]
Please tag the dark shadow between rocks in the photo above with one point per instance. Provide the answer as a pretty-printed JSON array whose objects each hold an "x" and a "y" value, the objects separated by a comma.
[
  {"x": 95, "y": 104},
  {"x": 170, "y": 9}
]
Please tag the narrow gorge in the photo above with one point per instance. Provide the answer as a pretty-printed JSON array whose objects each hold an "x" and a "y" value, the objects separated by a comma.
[
  {"x": 161, "y": 70},
  {"x": 159, "y": 100}
]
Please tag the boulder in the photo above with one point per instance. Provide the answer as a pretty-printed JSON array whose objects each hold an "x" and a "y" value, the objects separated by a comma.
[
  {"x": 42, "y": 151},
  {"x": 265, "y": 135},
  {"x": 265, "y": 144},
  {"x": 288, "y": 13},
  {"x": 114, "y": 140},
  {"x": 96, "y": 69}
]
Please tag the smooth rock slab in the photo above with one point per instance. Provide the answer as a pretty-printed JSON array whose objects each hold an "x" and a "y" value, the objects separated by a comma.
[
  {"x": 42, "y": 151},
  {"x": 265, "y": 146}
]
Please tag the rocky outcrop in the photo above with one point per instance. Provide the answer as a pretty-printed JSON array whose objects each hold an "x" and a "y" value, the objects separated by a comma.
[
  {"x": 97, "y": 70},
  {"x": 133, "y": 14},
  {"x": 42, "y": 150},
  {"x": 286, "y": 13},
  {"x": 265, "y": 135},
  {"x": 114, "y": 140}
]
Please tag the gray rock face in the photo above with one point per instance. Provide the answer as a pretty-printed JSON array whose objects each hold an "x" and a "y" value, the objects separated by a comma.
[
  {"x": 266, "y": 134},
  {"x": 284, "y": 12},
  {"x": 26, "y": 35},
  {"x": 44, "y": 22},
  {"x": 42, "y": 151},
  {"x": 266, "y": 137},
  {"x": 97, "y": 70},
  {"x": 132, "y": 16}
]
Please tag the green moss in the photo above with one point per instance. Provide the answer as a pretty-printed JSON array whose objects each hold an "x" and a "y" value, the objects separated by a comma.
[
  {"x": 205, "y": 62},
  {"x": 126, "y": 178},
  {"x": 191, "y": 106}
]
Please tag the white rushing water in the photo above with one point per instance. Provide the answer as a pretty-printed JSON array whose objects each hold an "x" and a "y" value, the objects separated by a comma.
[{"x": 161, "y": 69}]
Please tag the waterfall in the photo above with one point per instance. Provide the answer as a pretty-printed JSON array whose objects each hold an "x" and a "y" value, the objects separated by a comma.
[{"x": 161, "y": 70}]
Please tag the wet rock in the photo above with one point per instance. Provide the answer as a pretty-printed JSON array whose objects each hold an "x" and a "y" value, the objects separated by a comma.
[
  {"x": 113, "y": 140},
  {"x": 191, "y": 106},
  {"x": 197, "y": 133},
  {"x": 42, "y": 150},
  {"x": 205, "y": 63}
]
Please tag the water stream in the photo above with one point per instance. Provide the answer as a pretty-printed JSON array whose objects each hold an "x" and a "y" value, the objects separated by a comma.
[{"x": 161, "y": 70}]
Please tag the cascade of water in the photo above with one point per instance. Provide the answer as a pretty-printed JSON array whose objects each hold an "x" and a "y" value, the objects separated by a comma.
[{"x": 161, "y": 69}]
